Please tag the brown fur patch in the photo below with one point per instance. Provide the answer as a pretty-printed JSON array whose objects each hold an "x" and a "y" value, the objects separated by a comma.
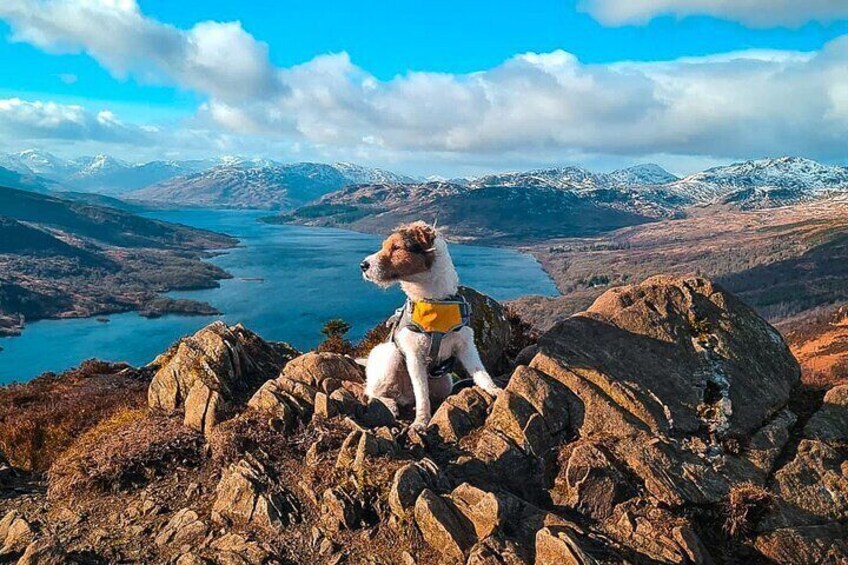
[{"x": 408, "y": 251}]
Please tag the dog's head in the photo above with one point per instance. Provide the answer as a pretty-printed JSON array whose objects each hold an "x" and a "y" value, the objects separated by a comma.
[{"x": 408, "y": 252}]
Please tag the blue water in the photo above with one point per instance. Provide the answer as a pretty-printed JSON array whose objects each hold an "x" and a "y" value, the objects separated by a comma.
[{"x": 306, "y": 277}]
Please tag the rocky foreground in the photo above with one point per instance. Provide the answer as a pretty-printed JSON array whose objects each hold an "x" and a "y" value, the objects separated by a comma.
[{"x": 665, "y": 424}]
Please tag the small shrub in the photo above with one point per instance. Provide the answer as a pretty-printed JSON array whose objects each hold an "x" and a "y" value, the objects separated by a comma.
[
  {"x": 746, "y": 505},
  {"x": 335, "y": 342},
  {"x": 40, "y": 419},
  {"x": 374, "y": 337}
]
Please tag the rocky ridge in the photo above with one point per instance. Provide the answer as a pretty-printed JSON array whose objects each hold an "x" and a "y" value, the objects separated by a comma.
[{"x": 661, "y": 425}]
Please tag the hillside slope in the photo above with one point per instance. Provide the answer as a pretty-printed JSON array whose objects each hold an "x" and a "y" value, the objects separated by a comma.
[{"x": 67, "y": 259}]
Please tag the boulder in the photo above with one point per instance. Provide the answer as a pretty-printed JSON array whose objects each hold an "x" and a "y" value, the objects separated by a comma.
[
  {"x": 731, "y": 373},
  {"x": 825, "y": 544},
  {"x": 243, "y": 497},
  {"x": 769, "y": 441},
  {"x": 491, "y": 329},
  {"x": 15, "y": 534},
  {"x": 314, "y": 368},
  {"x": 441, "y": 527},
  {"x": 830, "y": 422},
  {"x": 212, "y": 373},
  {"x": 560, "y": 546},
  {"x": 460, "y": 414},
  {"x": 664, "y": 370},
  {"x": 185, "y": 526},
  {"x": 339, "y": 510},
  {"x": 496, "y": 550},
  {"x": 233, "y": 549},
  {"x": 44, "y": 551},
  {"x": 483, "y": 510},
  {"x": 408, "y": 483},
  {"x": 589, "y": 481}
]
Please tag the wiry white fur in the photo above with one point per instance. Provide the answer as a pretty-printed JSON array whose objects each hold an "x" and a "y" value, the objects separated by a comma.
[{"x": 396, "y": 373}]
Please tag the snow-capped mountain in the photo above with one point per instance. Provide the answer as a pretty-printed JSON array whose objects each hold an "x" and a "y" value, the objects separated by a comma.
[
  {"x": 34, "y": 161},
  {"x": 357, "y": 174},
  {"x": 639, "y": 175},
  {"x": 763, "y": 183},
  {"x": 579, "y": 179},
  {"x": 261, "y": 183}
]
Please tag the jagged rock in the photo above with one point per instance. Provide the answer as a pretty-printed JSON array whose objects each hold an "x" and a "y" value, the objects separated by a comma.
[
  {"x": 731, "y": 372},
  {"x": 515, "y": 418},
  {"x": 460, "y": 414},
  {"x": 811, "y": 545},
  {"x": 213, "y": 372},
  {"x": 505, "y": 462},
  {"x": 243, "y": 497},
  {"x": 441, "y": 527},
  {"x": 496, "y": 551},
  {"x": 768, "y": 443},
  {"x": 408, "y": 483},
  {"x": 232, "y": 549},
  {"x": 558, "y": 545},
  {"x": 657, "y": 534},
  {"x": 191, "y": 559},
  {"x": 45, "y": 551},
  {"x": 548, "y": 397},
  {"x": 491, "y": 329},
  {"x": 15, "y": 534},
  {"x": 314, "y": 368},
  {"x": 339, "y": 511},
  {"x": 360, "y": 445},
  {"x": 183, "y": 527},
  {"x": 830, "y": 422},
  {"x": 481, "y": 509},
  {"x": 377, "y": 414},
  {"x": 813, "y": 487},
  {"x": 589, "y": 482}
]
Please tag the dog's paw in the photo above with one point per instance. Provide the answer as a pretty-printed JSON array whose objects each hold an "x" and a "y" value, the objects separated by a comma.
[
  {"x": 493, "y": 389},
  {"x": 419, "y": 426}
]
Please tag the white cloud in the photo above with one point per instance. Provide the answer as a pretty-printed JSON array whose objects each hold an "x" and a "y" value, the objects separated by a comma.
[
  {"x": 218, "y": 58},
  {"x": 532, "y": 108},
  {"x": 37, "y": 120},
  {"x": 755, "y": 13}
]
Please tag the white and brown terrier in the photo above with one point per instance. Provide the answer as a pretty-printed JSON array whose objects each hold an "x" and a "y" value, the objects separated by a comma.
[{"x": 417, "y": 257}]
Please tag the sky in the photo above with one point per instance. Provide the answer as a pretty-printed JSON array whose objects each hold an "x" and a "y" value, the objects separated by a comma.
[{"x": 438, "y": 87}]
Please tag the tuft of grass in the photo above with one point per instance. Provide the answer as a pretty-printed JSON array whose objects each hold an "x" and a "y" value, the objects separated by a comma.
[
  {"x": 745, "y": 506},
  {"x": 123, "y": 452},
  {"x": 40, "y": 419}
]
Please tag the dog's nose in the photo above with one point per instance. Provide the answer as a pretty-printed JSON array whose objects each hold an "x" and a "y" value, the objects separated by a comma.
[{"x": 364, "y": 266}]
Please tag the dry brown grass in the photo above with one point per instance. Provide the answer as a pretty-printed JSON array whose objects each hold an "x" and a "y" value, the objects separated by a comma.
[
  {"x": 40, "y": 419},
  {"x": 123, "y": 452},
  {"x": 746, "y": 504}
]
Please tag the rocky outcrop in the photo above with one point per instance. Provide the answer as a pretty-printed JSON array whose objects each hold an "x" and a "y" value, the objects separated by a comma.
[
  {"x": 658, "y": 426},
  {"x": 491, "y": 329},
  {"x": 212, "y": 373}
]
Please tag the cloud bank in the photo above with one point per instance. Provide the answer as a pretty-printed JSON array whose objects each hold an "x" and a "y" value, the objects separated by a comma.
[
  {"x": 755, "y": 13},
  {"x": 751, "y": 103}
]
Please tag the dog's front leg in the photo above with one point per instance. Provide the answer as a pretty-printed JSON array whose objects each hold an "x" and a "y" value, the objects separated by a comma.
[
  {"x": 469, "y": 357},
  {"x": 418, "y": 375}
]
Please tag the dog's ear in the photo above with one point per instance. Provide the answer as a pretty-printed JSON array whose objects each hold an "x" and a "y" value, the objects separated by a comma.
[{"x": 422, "y": 235}]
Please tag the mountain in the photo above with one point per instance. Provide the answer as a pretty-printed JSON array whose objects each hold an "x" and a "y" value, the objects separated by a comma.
[
  {"x": 260, "y": 184},
  {"x": 25, "y": 181},
  {"x": 34, "y": 161},
  {"x": 496, "y": 214},
  {"x": 578, "y": 178},
  {"x": 60, "y": 258},
  {"x": 763, "y": 183}
]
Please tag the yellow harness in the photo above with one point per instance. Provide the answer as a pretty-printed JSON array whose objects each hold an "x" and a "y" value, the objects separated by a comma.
[{"x": 435, "y": 318}]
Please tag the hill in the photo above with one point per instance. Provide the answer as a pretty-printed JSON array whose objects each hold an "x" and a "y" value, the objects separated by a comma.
[
  {"x": 60, "y": 258},
  {"x": 665, "y": 424}
]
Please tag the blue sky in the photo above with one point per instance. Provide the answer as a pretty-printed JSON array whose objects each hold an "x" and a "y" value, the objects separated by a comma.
[{"x": 434, "y": 86}]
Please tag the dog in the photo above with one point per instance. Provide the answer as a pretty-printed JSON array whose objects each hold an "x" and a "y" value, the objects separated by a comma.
[{"x": 398, "y": 372}]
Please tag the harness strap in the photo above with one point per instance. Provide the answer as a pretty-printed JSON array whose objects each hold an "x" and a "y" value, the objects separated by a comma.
[{"x": 435, "y": 370}]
